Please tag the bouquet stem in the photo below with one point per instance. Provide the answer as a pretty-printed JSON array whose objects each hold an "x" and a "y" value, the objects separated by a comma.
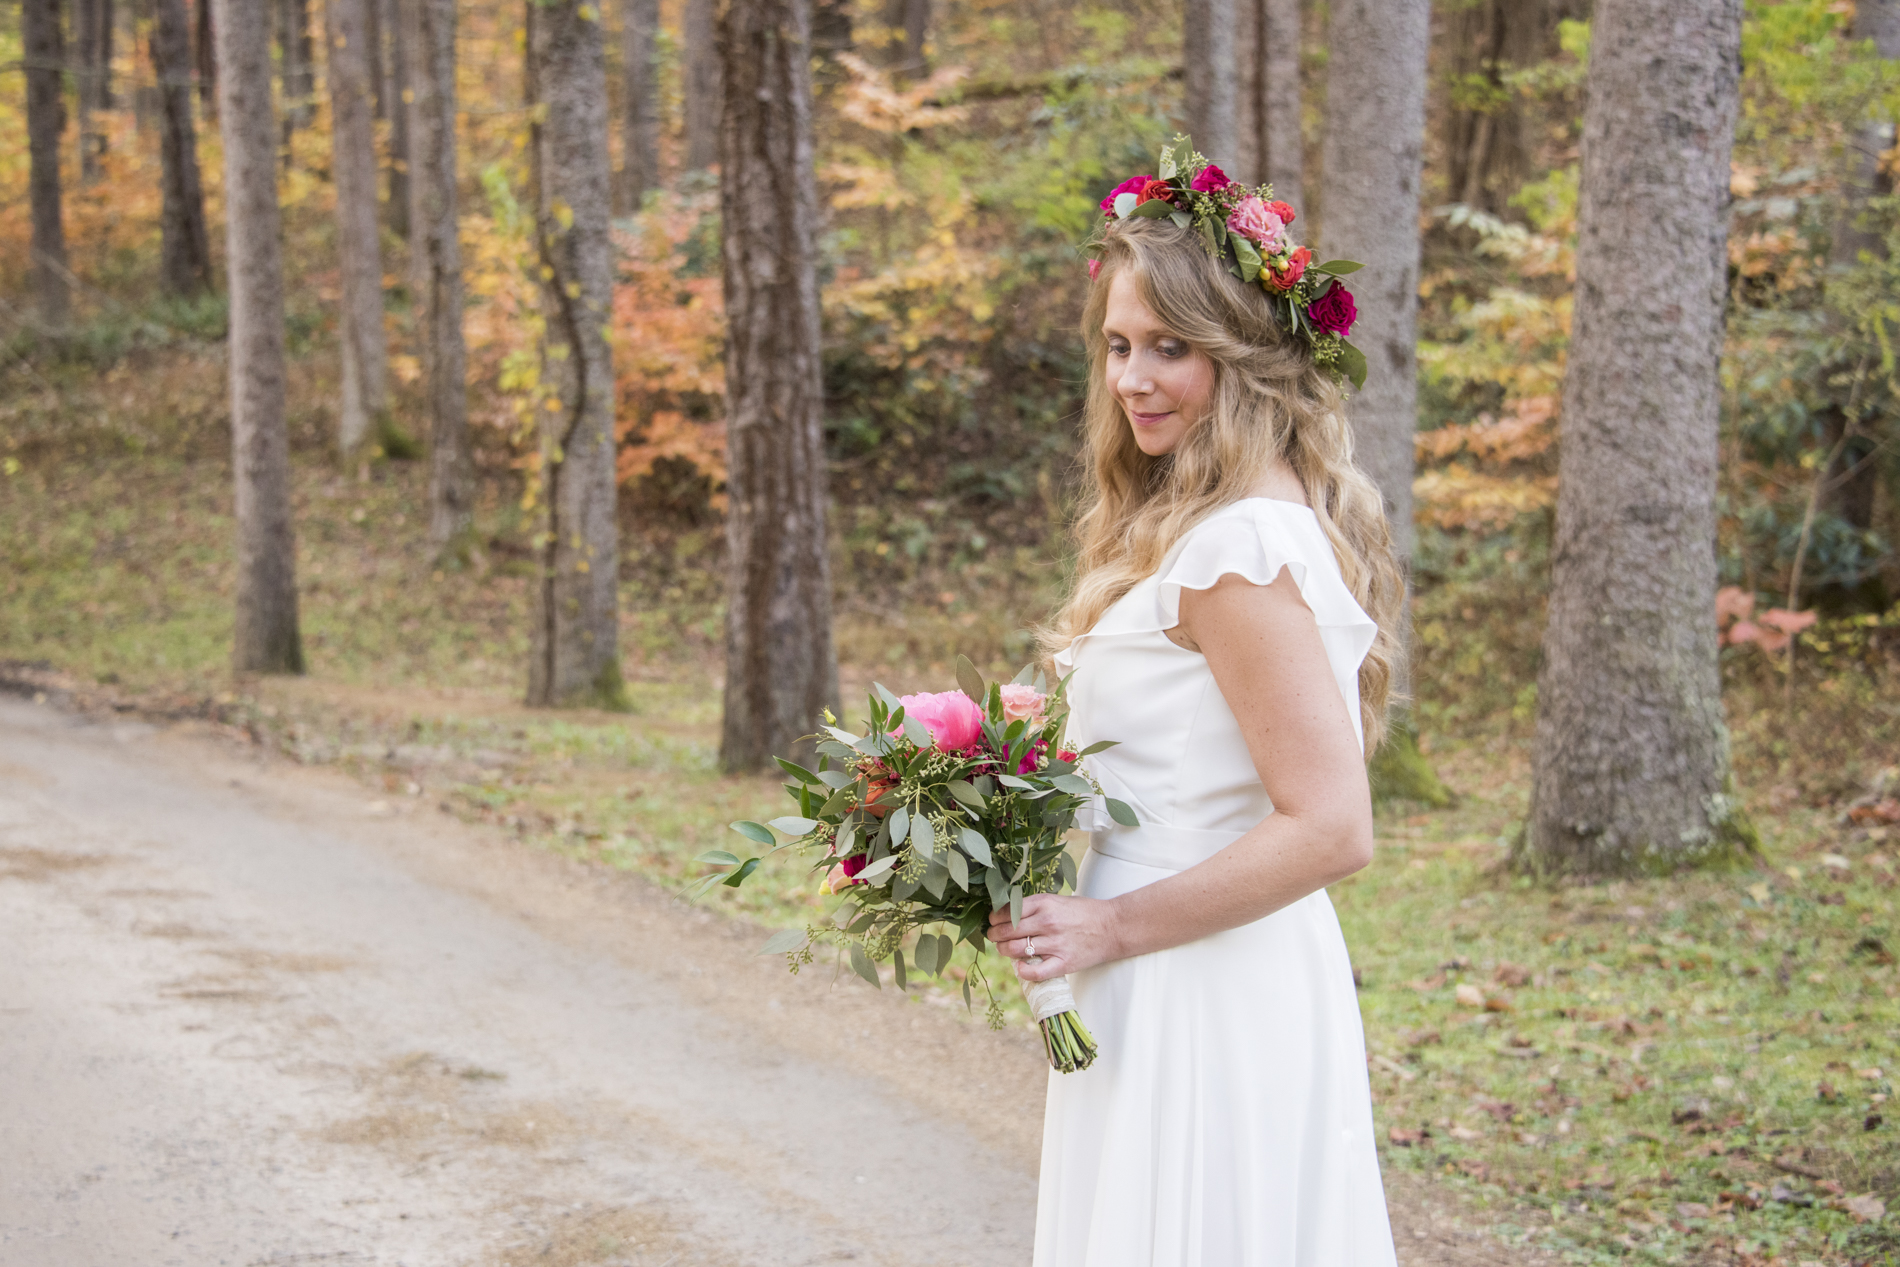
[{"x": 1065, "y": 1038}]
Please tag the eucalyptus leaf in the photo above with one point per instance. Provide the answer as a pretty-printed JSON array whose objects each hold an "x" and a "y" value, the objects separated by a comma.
[
  {"x": 902, "y": 889},
  {"x": 794, "y": 826},
  {"x": 969, "y": 681},
  {"x": 900, "y": 826},
  {"x": 959, "y": 869},
  {"x": 923, "y": 836},
  {"x": 968, "y": 1006},
  {"x": 838, "y": 751},
  {"x": 1100, "y": 746},
  {"x": 998, "y": 887},
  {"x": 739, "y": 877},
  {"x": 1065, "y": 867},
  {"x": 1181, "y": 219},
  {"x": 837, "y": 778},
  {"x": 878, "y": 868},
  {"x": 1016, "y": 901},
  {"x": 718, "y": 858},
  {"x": 847, "y": 840},
  {"x": 974, "y": 845},
  {"x": 784, "y": 941},
  {"x": 1154, "y": 209},
  {"x": 966, "y": 794},
  {"x": 897, "y": 966},
  {"x": 1119, "y": 811},
  {"x": 1352, "y": 363},
  {"x": 1025, "y": 678},
  {"x": 1124, "y": 203},
  {"x": 1074, "y": 784},
  {"x": 936, "y": 875},
  {"x": 1010, "y": 780},
  {"x": 890, "y": 701},
  {"x": 757, "y": 832},
  {"x": 797, "y": 771},
  {"x": 835, "y": 804},
  {"x": 1339, "y": 268},
  {"x": 862, "y": 965}
]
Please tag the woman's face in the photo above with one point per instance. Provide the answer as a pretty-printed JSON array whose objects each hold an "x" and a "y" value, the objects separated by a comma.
[{"x": 1162, "y": 383}]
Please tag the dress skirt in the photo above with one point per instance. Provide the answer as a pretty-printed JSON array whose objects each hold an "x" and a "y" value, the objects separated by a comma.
[{"x": 1227, "y": 1121}]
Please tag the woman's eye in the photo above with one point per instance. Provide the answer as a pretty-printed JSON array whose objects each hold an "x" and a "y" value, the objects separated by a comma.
[
  {"x": 1118, "y": 349},
  {"x": 1171, "y": 350}
]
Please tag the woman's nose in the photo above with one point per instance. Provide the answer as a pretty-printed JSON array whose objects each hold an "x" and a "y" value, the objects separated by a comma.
[{"x": 1133, "y": 382}]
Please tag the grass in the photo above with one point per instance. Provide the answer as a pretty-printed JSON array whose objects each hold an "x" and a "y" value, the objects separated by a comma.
[{"x": 1693, "y": 1070}]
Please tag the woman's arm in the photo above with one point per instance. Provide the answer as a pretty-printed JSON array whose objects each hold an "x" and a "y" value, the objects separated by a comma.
[{"x": 1264, "y": 649}]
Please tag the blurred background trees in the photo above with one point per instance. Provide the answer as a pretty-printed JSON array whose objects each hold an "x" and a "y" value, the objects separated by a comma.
[{"x": 958, "y": 151}]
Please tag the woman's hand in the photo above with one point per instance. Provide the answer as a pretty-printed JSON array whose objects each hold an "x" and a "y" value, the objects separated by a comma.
[{"x": 1071, "y": 933}]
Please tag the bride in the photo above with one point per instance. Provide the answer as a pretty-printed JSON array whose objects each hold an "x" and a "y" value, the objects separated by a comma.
[{"x": 1232, "y": 624}]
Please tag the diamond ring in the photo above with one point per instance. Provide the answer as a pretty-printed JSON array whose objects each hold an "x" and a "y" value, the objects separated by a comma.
[{"x": 1031, "y": 942}]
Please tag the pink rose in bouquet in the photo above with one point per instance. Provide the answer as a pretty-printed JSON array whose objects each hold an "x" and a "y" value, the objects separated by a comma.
[
  {"x": 1022, "y": 702},
  {"x": 953, "y": 718},
  {"x": 1254, "y": 220}
]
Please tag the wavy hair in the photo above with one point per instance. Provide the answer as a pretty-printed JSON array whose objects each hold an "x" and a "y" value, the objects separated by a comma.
[{"x": 1270, "y": 402}]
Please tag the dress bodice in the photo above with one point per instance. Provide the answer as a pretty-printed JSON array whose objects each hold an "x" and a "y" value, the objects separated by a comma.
[{"x": 1181, "y": 761}]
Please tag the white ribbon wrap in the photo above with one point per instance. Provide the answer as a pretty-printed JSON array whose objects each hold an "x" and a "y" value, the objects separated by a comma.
[{"x": 1048, "y": 998}]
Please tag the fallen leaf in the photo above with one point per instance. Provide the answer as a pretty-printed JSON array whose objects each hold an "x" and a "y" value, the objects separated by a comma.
[
  {"x": 1759, "y": 892},
  {"x": 1835, "y": 861},
  {"x": 1407, "y": 1139},
  {"x": 1470, "y": 996},
  {"x": 1464, "y": 1133},
  {"x": 1692, "y": 1210},
  {"x": 1872, "y": 1074},
  {"x": 1424, "y": 984},
  {"x": 1511, "y": 974},
  {"x": 1865, "y": 1208}
]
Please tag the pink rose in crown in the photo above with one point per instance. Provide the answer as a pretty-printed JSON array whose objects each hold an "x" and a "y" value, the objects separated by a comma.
[
  {"x": 1334, "y": 311},
  {"x": 953, "y": 719},
  {"x": 1254, "y": 220},
  {"x": 1133, "y": 185},
  {"x": 1021, "y": 702},
  {"x": 1209, "y": 179}
]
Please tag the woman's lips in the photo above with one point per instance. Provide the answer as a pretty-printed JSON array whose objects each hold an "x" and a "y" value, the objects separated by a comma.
[{"x": 1149, "y": 420}]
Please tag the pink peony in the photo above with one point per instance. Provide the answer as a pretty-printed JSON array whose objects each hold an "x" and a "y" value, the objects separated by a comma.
[
  {"x": 1021, "y": 702},
  {"x": 1209, "y": 179},
  {"x": 953, "y": 719},
  {"x": 1133, "y": 185},
  {"x": 1254, "y": 220}
]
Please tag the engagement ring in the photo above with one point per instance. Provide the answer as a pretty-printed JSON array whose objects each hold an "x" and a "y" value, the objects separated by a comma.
[{"x": 1031, "y": 943}]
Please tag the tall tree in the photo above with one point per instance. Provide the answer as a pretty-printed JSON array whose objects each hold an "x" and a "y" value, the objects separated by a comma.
[
  {"x": 373, "y": 36},
  {"x": 186, "y": 247},
  {"x": 298, "y": 68},
  {"x": 702, "y": 88},
  {"x": 204, "y": 53},
  {"x": 909, "y": 24},
  {"x": 1489, "y": 133},
  {"x": 781, "y": 667},
  {"x": 1630, "y": 763},
  {"x": 401, "y": 26},
  {"x": 92, "y": 32},
  {"x": 438, "y": 246},
  {"x": 44, "y": 52},
  {"x": 575, "y": 645},
  {"x": 1211, "y": 82},
  {"x": 359, "y": 245},
  {"x": 266, "y": 637},
  {"x": 640, "y": 129},
  {"x": 1275, "y": 107},
  {"x": 1375, "y": 136}
]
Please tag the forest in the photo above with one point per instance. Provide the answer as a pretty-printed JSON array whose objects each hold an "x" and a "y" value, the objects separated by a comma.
[{"x": 546, "y": 408}]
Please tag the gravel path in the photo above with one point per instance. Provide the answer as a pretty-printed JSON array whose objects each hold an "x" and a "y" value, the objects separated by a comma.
[{"x": 252, "y": 1014}]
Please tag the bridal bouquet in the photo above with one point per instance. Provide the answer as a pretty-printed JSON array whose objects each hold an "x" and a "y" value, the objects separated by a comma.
[{"x": 950, "y": 806}]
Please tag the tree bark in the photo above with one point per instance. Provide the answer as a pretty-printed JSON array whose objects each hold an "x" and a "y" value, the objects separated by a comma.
[
  {"x": 702, "y": 88},
  {"x": 92, "y": 37},
  {"x": 359, "y": 245},
  {"x": 400, "y": 27},
  {"x": 266, "y": 637},
  {"x": 186, "y": 250},
  {"x": 1276, "y": 105},
  {"x": 781, "y": 667},
  {"x": 1487, "y": 135},
  {"x": 43, "y": 50},
  {"x": 640, "y": 129},
  {"x": 1630, "y": 764},
  {"x": 373, "y": 37},
  {"x": 907, "y": 23},
  {"x": 1208, "y": 53},
  {"x": 204, "y": 51},
  {"x": 1375, "y": 135},
  {"x": 439, "y": 248},
  {"x": 576, "y": 622},
  {"x": 298, "y": 66}
]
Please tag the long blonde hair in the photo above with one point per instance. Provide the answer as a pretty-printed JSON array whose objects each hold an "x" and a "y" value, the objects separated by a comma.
[{"x": 1270, "y": 402}]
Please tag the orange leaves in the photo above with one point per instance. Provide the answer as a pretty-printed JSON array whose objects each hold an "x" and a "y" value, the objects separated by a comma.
[
  {"x": 871, "y": 100},
  {"x": 1527, "y": 432},
  {"x": 1472, "y": 492},
  {"x": 1771, "y": 631}
]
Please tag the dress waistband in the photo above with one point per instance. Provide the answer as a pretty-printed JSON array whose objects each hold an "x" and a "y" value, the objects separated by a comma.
[{"x": 1160, "y": 845}]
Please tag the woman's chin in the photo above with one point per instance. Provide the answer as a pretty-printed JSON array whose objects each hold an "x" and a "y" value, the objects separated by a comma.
[{"x": 1156, "y": 444}]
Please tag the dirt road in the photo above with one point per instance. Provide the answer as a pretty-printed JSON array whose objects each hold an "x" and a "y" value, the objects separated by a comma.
[{"x": 251, "y": 1013}]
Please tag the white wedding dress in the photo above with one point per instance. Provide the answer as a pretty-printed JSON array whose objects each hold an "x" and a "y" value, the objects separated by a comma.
[{"x": 1227, "y": 1121}]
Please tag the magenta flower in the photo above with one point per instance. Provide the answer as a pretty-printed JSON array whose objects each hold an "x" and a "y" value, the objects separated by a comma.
[
  {"x": 953, "y": 719},
  {"x": 1334, "y": 311},
  {"x": 1209, "y": 179},
  {"x": 1132, "y": 185}
]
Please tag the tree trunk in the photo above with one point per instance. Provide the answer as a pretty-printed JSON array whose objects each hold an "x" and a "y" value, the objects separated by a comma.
[
  {"x": 359, "y": 247},
  {"x": 266, "y": 638},
  {"x": 1488, "y": 132},
  {"x": 439, "y": 248},
  {"x": 1375, "y": 135},
  {"x": 373, "y": 37},
  {"x": 1277, "y": 107},
  {"x": 92, "y": 37},
  {"x": 640, "y": 130},
  {"x": 781, "y": 668},
  {"x": 44, "y": 53},
  {"x": 907, "y": 23},
  {"x": 576, "y": 623},
  {"x": 1208, "y": 55},
  {"x": 204, "y": 51},
  {"x": 1630, "y": 764},
  {"x": 298, "y": 69},
  {"x": 400, "y": 27},
  {"x": 186, "y": 248},
  {"x": 702, "y": 89}
]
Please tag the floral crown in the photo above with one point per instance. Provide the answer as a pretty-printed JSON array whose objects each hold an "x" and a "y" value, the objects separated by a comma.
[{"x": 1246, "y": 230}]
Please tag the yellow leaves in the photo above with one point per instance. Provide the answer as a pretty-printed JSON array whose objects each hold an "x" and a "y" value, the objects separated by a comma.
[
  {"x": 405, "y": 368},
  {"x": 589, "y": 13},
  {"x": 1458, "y": 497},
  {"x": 1527, "y": 432},
  {"x": 1779, "y": 254},
  {"x": 871, "y": 100},
  {"x": 563, "y": 214}
]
